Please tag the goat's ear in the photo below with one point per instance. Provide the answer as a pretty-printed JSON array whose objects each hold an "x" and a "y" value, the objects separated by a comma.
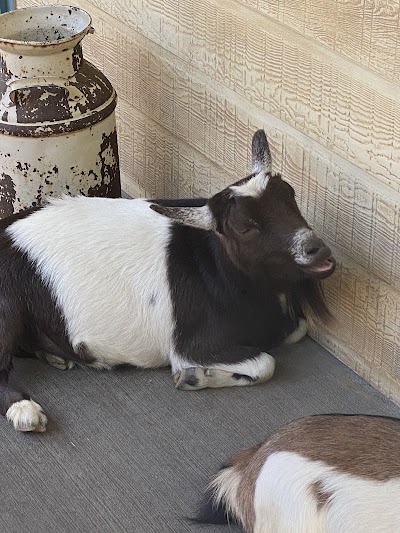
[
  {"x": 198, "y": 217},
  {"x": 260, "y": 153}
]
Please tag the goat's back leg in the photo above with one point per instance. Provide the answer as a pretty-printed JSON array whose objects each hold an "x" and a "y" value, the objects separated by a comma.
[
  {"x": 257, "y": 368},
  {"x": 56, "y": 361},
  {"x": 61, "y": 354},
  {"x": 17, "y": 407}
]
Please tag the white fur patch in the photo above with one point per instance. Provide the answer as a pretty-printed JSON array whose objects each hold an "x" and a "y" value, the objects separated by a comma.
[
  {"x": 298, "y": 333},
  {"x": 297, "y": 247},
  {"x": 27, "y": 415},
  {"x": 224, "y": 488},
  {"x": 283, "y": 302},
  {"x": 284, "y": 503},
  {"x": 253, "y": 187},
  {"x": 261, "y": 367},
  {"x": 105, "y": 262}
]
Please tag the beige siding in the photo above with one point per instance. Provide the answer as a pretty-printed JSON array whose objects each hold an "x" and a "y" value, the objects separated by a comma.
[
  {"x": 367, "y": 31},
  {"x": 195, "y": 79}
]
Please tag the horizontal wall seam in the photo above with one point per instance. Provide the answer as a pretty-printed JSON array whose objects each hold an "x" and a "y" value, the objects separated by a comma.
[
  {"x": 366, "y": 134},
  {"x": 342, "y": 61}
]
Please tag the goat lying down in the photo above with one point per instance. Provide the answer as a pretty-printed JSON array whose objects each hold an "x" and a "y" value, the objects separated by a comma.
[
  {"x": 206, "y": 289},
  {"x": 320, "y": 474}
]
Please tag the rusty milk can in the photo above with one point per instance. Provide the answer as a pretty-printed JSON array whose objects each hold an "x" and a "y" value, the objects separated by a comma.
[{"x": 57, "y": 111}]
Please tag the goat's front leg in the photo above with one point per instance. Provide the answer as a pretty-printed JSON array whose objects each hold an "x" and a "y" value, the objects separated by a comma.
[
  {"x": 17, "y": 407},
  {"x": 251, "y": 371}
]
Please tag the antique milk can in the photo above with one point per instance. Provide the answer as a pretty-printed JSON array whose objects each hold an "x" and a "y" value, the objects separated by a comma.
[{"x": 57, "y": 111}]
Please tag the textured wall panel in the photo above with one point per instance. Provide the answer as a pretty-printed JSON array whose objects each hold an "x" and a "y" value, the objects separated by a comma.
[
  {"x": 366, "y": 31},
  {"x": 346, "y": 108},
  {"x": 349, "y": 109},
  {"x": 187, "y": 110},
  {"x": 163, "y": 165}
]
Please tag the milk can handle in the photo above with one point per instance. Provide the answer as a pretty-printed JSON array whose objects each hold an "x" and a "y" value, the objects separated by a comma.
[{"x": 25, "y": 83}]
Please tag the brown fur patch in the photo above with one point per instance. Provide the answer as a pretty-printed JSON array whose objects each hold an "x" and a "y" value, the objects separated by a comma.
[
  {"x": 363, "y": 446},
  {"x": 322, "y": 496},
  {"x": 248, "y": 467}
]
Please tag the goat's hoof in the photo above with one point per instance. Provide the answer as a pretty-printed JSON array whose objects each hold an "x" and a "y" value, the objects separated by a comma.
[
  {"x": 27, "y": 415},
  {"x": 193, "y": 378},
  {"x": 57, "y": 362}
]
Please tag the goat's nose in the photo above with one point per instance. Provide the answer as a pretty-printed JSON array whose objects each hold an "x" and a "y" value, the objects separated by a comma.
[{"x": 313, "y": 247}]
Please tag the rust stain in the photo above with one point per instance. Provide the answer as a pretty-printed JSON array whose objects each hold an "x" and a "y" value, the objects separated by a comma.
[
  {"x": 22, "y": 166},
  {"x": 94, "y": 86},
  {"x": 33, "y": 130},
  {"x": 5, "y": 75},
  {"x": 48, "y": 104},
  {"x": 77, "y": 57},
  {"x": 42, "y": 104},
  {"x": 110, "y": 180},
  {"x": 39, "y": 196},
  {"x": 7, "y": 195}
]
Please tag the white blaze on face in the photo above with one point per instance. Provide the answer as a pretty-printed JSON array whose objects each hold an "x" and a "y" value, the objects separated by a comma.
[{"x": 253, "y": 187}]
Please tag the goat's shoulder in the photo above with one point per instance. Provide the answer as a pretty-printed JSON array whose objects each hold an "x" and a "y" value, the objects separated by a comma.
[{"x": 198, "y": 256}]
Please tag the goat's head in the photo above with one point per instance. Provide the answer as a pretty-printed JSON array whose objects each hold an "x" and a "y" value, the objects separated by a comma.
[{"x": 260, "y": 224}]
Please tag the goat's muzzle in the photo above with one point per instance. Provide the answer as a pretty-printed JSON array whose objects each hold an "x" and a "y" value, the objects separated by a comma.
[{"x": 313, "y": 256}]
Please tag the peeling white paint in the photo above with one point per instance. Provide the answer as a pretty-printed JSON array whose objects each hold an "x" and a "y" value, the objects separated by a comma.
[{"x": 35, "y": 172}]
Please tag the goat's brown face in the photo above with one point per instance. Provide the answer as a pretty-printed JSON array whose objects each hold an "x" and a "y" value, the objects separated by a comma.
[
  {"x": 260, "y": 224},
  {"x": 264, "y": 232}
]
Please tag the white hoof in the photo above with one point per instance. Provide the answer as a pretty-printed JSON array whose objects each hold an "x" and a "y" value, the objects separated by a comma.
[
  {"x": 59, "y": 362},
  {"x": 27, "y": 415},
  {"x": 56, "y": 361}
]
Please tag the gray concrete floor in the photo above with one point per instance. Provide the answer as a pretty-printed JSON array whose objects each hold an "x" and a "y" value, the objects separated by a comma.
[{"x": 126, "y": 452}]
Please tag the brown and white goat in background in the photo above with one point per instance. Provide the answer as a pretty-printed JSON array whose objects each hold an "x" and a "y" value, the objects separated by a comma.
[{"x": 320, "y": 474}]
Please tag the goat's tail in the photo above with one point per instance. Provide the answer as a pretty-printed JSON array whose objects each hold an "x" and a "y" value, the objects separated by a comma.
[{"x": 219, "y": 505}]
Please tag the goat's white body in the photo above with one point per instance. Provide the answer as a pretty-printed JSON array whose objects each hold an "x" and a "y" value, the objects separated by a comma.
[
  {"x": 285, "y": 503},
  {"x": 115, "y": 300}
]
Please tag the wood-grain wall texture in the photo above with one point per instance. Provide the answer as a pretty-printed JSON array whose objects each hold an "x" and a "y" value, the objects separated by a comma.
[{"x": 195, "y": 79}]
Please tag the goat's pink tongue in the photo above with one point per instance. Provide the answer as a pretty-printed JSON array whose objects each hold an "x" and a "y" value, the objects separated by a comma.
[{"x": 322, "y": 267}]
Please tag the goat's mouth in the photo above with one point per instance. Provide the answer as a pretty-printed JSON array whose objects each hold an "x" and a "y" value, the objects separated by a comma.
[{"x": 321, "y": 268}]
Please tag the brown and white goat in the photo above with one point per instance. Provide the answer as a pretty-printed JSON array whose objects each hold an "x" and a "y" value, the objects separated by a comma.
[{"x": 320, "y": 474}]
